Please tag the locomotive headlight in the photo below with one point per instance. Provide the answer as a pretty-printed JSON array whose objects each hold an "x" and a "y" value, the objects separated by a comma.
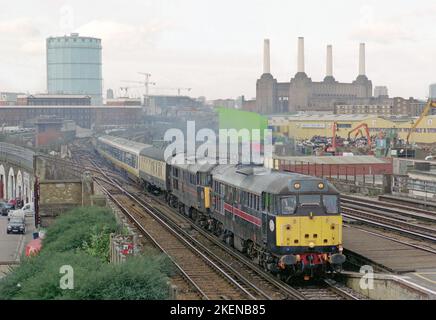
[
  {"x": 340, "y": 248},
  {"x": 297, "y": 186},
  {"x": 321, "y": 185},
  {"x": 311, "y": 245}
]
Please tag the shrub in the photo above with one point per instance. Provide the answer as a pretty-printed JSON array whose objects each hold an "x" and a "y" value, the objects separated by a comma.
[
  {"x": 72, "y": 229},
  {"x": 80, "y": 239}
]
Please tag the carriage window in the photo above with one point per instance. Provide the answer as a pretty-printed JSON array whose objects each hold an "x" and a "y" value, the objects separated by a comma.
[
  {"x": 288, "y": 204},
  {"x": 331, "y": 204},
  {"x": 310, "y": 199}
]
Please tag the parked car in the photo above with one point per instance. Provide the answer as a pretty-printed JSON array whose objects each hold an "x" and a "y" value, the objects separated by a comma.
[
  {"x": 13, "y": 202},
  {"x": 16, "y": 225},
  {"x": 28, "y": 210},
  {"x": 4, "y": 208}
]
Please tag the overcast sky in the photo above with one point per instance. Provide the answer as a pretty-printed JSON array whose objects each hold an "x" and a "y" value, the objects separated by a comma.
[{"x": 215, "y": 46}]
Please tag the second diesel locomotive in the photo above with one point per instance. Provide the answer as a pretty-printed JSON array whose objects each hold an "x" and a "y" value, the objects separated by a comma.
[{"x": 288, "y": 223}]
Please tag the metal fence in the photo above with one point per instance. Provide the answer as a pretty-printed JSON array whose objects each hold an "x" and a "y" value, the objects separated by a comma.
[{"x": 342, "y": 172}]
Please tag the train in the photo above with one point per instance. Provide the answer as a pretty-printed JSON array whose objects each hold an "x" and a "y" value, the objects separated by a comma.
[{"x": 290, "y": 224}]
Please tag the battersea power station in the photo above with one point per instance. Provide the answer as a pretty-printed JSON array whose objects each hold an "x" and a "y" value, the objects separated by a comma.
[{"x": 303, "y": 94}]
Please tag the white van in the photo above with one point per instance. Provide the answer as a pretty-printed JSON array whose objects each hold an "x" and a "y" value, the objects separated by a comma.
[
  {"x": 16, "y": 214},
  {"x": 28, "y": 210}
]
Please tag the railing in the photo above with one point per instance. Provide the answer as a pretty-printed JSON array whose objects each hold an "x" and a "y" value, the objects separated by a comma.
[{"x": 357, "y": 175}]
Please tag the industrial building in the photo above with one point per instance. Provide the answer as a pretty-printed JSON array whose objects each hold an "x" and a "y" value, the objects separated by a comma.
[
  {"x": 9, "y": 98},
  {"x": 123, "y": 102},
  {"x": 303, "y": 127},
  {"x": 384, "y": 106},
  {"x": 303, "y": 94},
  {"x": 74, "y": 66},
  {"x": 83, "y": 116},
  {"x": 53, "y": 100},
  {"x": 381, "y": 91}
]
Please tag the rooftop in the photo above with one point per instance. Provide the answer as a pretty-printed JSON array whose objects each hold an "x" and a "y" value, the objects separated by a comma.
[
  {"x": 54, "y": 96},
  {"x": 332, "y": 159},
  {"x": 69, "y": 107},
  {"x": 326, "y": 117}
]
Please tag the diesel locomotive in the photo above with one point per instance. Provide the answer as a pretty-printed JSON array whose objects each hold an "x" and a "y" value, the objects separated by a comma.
[{"x": 288, "y": 223}]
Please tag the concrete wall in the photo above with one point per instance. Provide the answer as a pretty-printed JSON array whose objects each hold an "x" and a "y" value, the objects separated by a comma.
[
  {"x": 61, "y": 188},
  {"x": 60, "y": 192},
  {"x": 388, "y": 287},
  {"x": 57, "y": 197}
]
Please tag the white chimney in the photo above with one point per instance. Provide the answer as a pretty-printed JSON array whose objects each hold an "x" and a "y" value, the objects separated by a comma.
[
  {"x": 329, "y": 71},
  {"x": 362, "y": 60},
  {"x": 300, "y": 54},
  {"x": 266, "y": 57}
]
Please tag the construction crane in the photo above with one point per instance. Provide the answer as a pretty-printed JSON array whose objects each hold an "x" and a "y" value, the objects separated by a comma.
[
  {"x": 178, "y": 89},
  {"x": 125, "y": 90},
  {"x": 430, "y": 104},
  {"x": 357, "y": 130},
  {"x": 146, "y": 83}
]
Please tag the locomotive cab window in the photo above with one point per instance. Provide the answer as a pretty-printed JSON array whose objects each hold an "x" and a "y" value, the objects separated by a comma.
[
  {"x": 310, "y": 199},
  {"x": 330, "y": 203},
  {"x": 288, "y": 205}
]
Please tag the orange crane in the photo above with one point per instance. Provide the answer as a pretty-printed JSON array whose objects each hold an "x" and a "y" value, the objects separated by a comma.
[
  {"x": 357, "y": 130},
  {"x": 430, "y": 104}
]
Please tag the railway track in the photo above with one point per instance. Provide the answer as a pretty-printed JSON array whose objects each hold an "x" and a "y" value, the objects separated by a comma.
[
  {"x": 427, "y": 206},
  {"x": 329, "y": 288},
  {"x": 406, "y": 220},
  {"x": 210, "y": 279},
  {"x": 213, "y": 269},
  {"x": 379, "y": 219},
  {"x": 258, "y": 283},
  {"x": 391, "y": 208}
]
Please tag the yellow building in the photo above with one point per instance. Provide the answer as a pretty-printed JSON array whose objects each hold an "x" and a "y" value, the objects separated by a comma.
[{"x": 303, "y": 126}]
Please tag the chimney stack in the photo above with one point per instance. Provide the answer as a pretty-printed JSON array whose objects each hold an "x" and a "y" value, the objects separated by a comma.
[
  {"x": 266, "y": 57},
  {"x": 300, "y": 54},
  {"x": 362, "y": 60},
  {"x": 329, "y": 71}
]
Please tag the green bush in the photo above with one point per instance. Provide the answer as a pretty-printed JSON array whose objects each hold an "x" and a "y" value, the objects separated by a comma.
[
  {"x": 139, "y": 278},
  {"x": 72, "y": 229},
  {"x": 80, "y": 239}
]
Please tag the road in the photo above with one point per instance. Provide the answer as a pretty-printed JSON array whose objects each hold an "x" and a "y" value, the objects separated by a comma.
[{"x": 12, "y": 245}]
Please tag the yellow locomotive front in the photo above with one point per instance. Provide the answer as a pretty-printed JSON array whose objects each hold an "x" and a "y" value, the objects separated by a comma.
[{"x": 305, "y": 228}]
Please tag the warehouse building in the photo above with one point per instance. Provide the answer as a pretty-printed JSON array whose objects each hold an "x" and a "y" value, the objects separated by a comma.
[
  {"x": 83, "y": 116},
  {"x": 385, "y": 106},
  {"x": 53, "y": 100},
  {"x": 303, "y": 126}
]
